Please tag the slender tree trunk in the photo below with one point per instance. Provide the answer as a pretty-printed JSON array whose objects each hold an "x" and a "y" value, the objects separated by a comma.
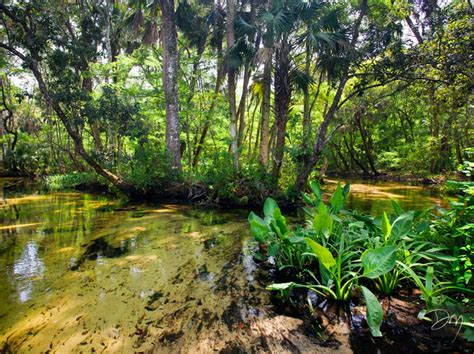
[
  {"x": 434, "y": 129},
  {"x": 414, "y": 29},
  {"x": 321, "y": 138},
  {"x": 207, "y": 120},
  {"x": 341, "y": 157},
  {"x": 306, "y": 103},
  {"x": 247, "y": 71},
  {"x": 252, "y": 121},
  {"x": 265, "y": 107},
  {"x": 354, "y": 158},
  {"x": 192, "y": 89},
  {"x": 365, "y": 143},
  {"x": 231, "y": 86},
  {"x": 242, "y": 105},
  {"x": 170, "y": 82},
  {"x": 282, "y": 105}
]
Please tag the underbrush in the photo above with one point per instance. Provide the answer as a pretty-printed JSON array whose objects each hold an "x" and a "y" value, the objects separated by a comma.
[{"x": 75, "y": 180}]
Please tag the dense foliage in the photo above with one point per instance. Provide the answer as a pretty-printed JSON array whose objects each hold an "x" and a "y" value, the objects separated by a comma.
[
  {"x": 339, "y": 251},
  {"x": 237, "y": 98}
]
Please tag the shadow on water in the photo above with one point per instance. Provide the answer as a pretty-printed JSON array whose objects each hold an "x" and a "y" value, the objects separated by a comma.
[{"x": 99, "y": 248}]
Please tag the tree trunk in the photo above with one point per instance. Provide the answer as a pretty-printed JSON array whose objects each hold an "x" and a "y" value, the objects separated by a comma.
[
  {"x": 242, "y": 105},
  {"x": 231, "y": 75},
  {"x": 170, "y": 82},
  {"x": 365, "y": 143},
  {"x": 354, "y": 158},
  {"x": 192, "y": 89},
  {"x": 78, "y": 144},
  {"x": 207, "y": 120},
  {"x": 265, "y": 118},
  {"x": 282, "y": 104},
  {"x": 321, "y": 138}
]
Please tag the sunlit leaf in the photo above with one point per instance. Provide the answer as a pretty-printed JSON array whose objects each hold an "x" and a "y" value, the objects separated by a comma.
[
  {"x": 337, "y": 199},
  {"x": 322, "y": 253},
  {"x": 386, "y": 228}
]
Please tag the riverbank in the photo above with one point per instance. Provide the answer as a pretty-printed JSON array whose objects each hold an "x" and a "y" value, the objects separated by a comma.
[{"x": 369, "y": 196}]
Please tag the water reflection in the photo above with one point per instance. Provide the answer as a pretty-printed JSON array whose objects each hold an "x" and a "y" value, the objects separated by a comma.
[
  {"x": 27, "y": 269},
  {"x": 374, "y": 197}
]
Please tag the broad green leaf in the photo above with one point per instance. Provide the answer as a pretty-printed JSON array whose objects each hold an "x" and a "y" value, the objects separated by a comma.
[
  {"x": 316, "y": 189},
  {"x": 307, "y": 199},
  {"x": 403, "y": 224},
  {"x": 322, "y": 253},
  {"x": 273, "y": 249},
  {"x": 377, "y": 262},
  {"x": 322, "y": 209},
  {"x": 386, "y": 228},
  {"x": 280, "y": 286},
  {"x": 374, "y": 312},
  {"x": 346, "y": 190},
  {"x": 269, "y": 207},
  {"x": 278, "y": 222},
  {"x": 337, "y": 199},
  {"x": 325, "y": 275},
  {"x": 258, "y": 227},
  {"x": 323, "y": 223},
  {"x": 429, "y": 279},
  {"x": 396, "y": 207}
]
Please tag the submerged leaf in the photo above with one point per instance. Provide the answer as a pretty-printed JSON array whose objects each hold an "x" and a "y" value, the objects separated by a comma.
[{"x": 280, "y": 286}]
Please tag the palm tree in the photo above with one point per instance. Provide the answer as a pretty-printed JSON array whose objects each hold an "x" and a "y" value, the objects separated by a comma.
[
  {"x": 231, "y": 82},
  {"x": 323, "y": 136},
  {"x": 282, "y": 22},
  {"x": 169, "y": 39}
]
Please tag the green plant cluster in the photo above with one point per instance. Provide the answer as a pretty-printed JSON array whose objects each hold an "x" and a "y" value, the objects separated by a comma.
[
  {"x": 340, "y": 253},
  {"x": 74, "y": 180}
]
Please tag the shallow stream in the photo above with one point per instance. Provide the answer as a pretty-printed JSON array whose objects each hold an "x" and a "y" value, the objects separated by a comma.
[{"x": 81, "y": 272}]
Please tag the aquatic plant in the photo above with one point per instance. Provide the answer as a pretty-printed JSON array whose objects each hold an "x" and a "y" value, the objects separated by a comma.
[{"x": 339, "y": 251}]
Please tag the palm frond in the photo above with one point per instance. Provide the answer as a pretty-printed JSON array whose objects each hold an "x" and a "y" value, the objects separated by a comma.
[{"x": 300, "y": 80}]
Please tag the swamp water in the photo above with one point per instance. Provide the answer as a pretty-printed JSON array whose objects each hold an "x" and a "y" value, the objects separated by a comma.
[{"x": 83, "y": 273}]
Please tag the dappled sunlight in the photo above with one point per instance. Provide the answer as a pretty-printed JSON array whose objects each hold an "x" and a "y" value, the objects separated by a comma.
[
  {"x": 66, "y": 250},
  {"x": 19, "y": 226},
  {"x": 163, "y": 211},
  {"x": 375, "y": 196}
]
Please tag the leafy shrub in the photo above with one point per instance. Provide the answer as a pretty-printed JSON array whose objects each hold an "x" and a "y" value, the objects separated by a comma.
[
  {"x": 73, "y": 180},
  {"x": 389, "y": 160}
]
